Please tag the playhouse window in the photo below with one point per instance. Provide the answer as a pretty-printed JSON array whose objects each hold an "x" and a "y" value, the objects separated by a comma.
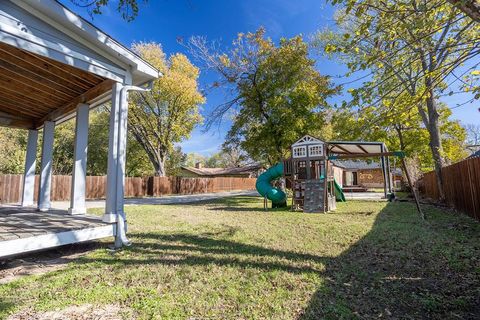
[
  {"x": 315, "y": 150},
  {"x": 299, "y": 152}
]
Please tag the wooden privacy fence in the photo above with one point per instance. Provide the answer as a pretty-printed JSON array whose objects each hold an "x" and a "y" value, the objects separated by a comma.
[
  {"x": 11, "y": 186},
  {"x": 461, "y": 185}
]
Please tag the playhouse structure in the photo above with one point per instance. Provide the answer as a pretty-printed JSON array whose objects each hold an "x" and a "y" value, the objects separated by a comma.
[
  {"x": 309, "y": 176},
  {"x": 309, "y": 172}
]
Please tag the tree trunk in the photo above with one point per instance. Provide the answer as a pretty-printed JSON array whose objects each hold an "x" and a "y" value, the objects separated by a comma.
[
  {"x": 470, "y": 7},
  {"x": 159, "y": 166},
  {"x": 435, "y": 142}
]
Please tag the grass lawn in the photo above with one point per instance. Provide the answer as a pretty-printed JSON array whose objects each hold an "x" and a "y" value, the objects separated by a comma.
[{"x": 228, "y": 259}]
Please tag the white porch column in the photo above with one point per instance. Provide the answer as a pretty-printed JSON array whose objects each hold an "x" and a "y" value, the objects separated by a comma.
[
  {"x": 46, "y": 167},
  {"x": 122, "y": 151},
  {"x": 30, "y": 163},
  {"x": 77, "y": 200},
  {"x": 110, "y": 203}
]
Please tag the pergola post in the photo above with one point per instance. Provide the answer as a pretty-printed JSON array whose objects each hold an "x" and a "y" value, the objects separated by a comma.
[
  {"x": 384, "y": 171},
  {"x": 30, "y": 164},
  {"x": 46, "y": 166},
  {"x": 389, "y": 174},
  {"x": 77, "y": 200}
]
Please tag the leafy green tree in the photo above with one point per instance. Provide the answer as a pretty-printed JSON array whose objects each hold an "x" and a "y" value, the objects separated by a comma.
[
  {"x": 13, "y": 144},
  {"x": 403, "y": 132},
  {"x": 278, "y": 95},
  {"x": 175, "y": 160},
  {"x": 409, "y": 47},
  {"x": 168, "y": 113},
  {"x": 193, "y": 158}
]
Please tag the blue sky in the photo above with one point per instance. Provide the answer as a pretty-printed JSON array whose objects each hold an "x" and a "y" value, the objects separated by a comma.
[{"x": 164, "y": 21}]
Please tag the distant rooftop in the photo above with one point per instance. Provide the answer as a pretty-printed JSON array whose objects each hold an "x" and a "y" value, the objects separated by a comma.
[
  {"x": 225, "y": 171},
  {"x": 359, "y": 165}
]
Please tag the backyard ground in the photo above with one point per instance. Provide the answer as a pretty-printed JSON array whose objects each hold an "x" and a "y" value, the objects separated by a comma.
[{"x": 229, "y": 259}]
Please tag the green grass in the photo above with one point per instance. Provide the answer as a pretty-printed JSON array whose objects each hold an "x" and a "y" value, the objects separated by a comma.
[{"x": 229, "y": 259}]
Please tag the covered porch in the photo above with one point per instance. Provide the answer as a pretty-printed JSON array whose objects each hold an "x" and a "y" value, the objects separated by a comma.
[{"x": 55, "y": 66}]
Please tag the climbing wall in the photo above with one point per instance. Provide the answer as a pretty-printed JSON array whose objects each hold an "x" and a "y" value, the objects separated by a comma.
[{"x": 313, "y": 196}]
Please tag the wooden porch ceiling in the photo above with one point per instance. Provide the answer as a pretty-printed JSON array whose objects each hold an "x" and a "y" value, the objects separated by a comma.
[{"x": 34, "y": 89}]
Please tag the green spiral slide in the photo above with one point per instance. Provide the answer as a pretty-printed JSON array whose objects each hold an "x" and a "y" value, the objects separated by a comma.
[{"x": 265, "y": 188}]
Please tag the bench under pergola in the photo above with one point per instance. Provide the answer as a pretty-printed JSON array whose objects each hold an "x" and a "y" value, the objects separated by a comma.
[{"x": 54, "y": 66}]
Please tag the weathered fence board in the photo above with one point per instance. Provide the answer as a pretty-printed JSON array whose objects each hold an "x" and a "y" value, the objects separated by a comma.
[
  {"x": 11, "y": 186},
  {"x": 461, "y": 185}
]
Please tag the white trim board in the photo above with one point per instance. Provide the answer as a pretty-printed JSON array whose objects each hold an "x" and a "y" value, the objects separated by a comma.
[
  {"x": 52, "y": 240},
  {"x": 36, "y": 45}
]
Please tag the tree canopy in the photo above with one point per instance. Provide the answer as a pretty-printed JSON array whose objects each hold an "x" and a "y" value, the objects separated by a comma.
[
  {"x": 277, "y": 93},
  {"x": 409, "y": 48},
  {"x": 168, "y": 113}
]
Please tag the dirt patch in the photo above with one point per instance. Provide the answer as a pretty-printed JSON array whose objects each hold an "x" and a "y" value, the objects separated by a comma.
[
  {"x": 83, "y": 312},
  {"x": 42, "y": 262}
]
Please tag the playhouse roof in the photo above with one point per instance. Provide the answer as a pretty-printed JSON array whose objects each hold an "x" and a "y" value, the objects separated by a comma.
[
  {"x": 356, "y": 147},
  {"x": 307, "y": 139}
]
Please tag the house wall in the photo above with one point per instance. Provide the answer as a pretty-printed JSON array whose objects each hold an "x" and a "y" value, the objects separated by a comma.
[
  {"x": 370, "y": 178},
  {"x": 373, "y": 178},
  {"x": 187, "y": 174}
]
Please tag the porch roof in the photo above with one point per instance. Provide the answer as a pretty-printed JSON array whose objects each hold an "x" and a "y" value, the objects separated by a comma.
[{"x": 51, "y": 60}]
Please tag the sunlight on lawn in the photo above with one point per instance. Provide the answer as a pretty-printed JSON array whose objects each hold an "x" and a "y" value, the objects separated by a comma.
[{"x": 230, "y": 259}]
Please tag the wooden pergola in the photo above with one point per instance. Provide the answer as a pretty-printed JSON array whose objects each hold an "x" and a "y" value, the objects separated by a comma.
[
  {"x": 54, "y": 66},
  {"x": 364, "y": 149}
]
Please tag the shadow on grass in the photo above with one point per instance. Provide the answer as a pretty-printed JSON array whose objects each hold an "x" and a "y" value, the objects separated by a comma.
[
  {"x": 404, "y": 269},
  {"x": 205, "y": 250}
]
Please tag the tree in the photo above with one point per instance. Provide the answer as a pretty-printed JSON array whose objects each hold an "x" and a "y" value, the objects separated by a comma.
[
  {"x": 228, "y": 157},
  {"x": 13, "y": 144},
  {"x": 175, "y": 160},
  {"x": 127, "y": 8},
  {"x": 277, "y": 94},
  {"x": 193, "y": 158},
  {"x": 409, "y": 47},
  {"x": 469, "y": 7},
  {"x": 473, "y": 137},
  {"x": 168, "y": 113}
]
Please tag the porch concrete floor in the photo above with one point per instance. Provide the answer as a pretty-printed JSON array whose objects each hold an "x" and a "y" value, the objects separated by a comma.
[{"x": 19, "y": 222}]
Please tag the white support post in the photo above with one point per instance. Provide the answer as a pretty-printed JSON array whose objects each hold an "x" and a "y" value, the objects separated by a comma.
[
  {"x": 77, "y": 200},
  {"x": 122, "y": 151},
  {"x": 110, "y": 203},
  {"x": 30, "y": 164},
  {"x": 46, "y": 166}
]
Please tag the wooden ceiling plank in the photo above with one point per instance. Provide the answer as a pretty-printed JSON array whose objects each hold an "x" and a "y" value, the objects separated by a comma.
[
  {"x": 80, "y": 74},
  {"x": 89, "y": 95},
  {"x": 13, "y": 109},
  {"x": 41, "y": 67},
  {"x": 16, "y": 123},
  {"x": 36, "y": 112},
  {"x": 29, "y": 90},
  {"x": 33, "y": 83},
  {"x": 36, "y": 77},
  {"x": 21, "y": 99}
]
